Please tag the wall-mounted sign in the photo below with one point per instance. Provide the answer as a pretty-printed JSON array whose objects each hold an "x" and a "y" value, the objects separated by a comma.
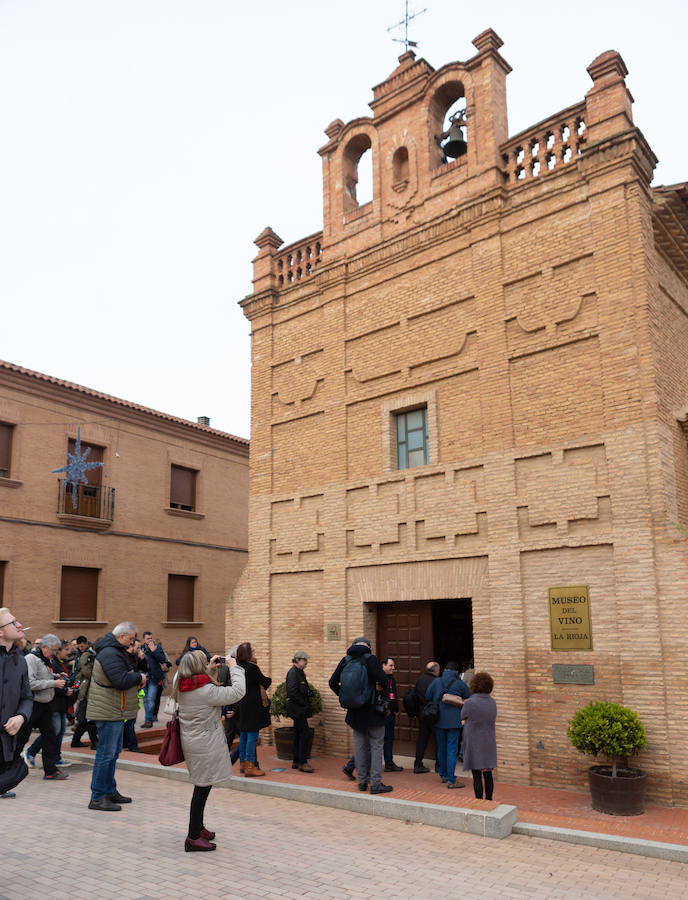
[
  {"x": 569, "y": 617},
  {"x": 566, "y": 674},
  {"x": 334, "y": 631}
]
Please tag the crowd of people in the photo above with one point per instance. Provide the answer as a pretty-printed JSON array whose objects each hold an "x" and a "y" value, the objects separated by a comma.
[{"x": 99, "y": 689}]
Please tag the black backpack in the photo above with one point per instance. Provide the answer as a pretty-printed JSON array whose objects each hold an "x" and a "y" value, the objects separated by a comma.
[
  {"x": 430, "y": 713},
  {"x": 411, "y": 703},
  {"x": 355, "y": 688}
]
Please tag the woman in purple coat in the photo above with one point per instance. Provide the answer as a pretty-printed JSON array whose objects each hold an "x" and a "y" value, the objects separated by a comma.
[{"x": 478, "y": 715}]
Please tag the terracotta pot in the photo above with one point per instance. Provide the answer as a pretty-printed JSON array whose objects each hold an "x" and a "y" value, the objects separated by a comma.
[
  {"x": 284, "y": 741},
  {"x": 620, "y": 796}
]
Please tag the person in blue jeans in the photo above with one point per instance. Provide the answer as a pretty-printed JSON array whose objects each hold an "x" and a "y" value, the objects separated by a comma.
[
  {"x": 448, "y": 725},
  {"x": 158, "y": 663},
  {"x": 112, "y": 698}
]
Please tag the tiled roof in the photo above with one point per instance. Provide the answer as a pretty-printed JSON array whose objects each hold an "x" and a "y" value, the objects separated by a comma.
[{"x": 126, "y": 404}]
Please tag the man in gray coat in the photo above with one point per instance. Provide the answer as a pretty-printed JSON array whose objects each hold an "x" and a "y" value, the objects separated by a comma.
[
  {"x": 43, "y": 682},
  {"x": 16, "y": 700}
]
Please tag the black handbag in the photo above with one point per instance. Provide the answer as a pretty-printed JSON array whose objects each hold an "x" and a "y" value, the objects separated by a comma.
[
  {"x": 430, "y": 713},
  {"x": 11, "y": 773}
]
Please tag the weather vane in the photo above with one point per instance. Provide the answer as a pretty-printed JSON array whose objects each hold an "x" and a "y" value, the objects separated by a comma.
[
  {"x": 77, "y": 467},
  {"x": 408, "y": 17}
]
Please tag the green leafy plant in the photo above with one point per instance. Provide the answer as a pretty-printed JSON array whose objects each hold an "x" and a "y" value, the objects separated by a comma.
[
  {"x": 607, "y": 728},
  {"x": 278, "y": 705}
]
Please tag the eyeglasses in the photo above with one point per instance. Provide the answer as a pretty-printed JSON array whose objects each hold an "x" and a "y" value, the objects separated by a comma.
[{"x": 11, "y": 622}]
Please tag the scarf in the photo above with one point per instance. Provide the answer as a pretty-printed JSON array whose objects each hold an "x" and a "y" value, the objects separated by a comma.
[{"x": 196, "y": 681}]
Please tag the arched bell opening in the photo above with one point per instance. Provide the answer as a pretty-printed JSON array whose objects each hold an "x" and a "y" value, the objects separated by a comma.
[
  {"x": 357, "y": 172},
  {"x": 448, "y": 117}
]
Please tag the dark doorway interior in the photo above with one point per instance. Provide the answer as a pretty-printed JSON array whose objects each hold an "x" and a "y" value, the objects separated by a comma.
[{"x": 415, "y": 633}]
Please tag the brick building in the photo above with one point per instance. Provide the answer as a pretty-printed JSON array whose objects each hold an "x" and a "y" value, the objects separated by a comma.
[
  {"x": 473, "y": 390},
  {"x": 158, "y": 535}
]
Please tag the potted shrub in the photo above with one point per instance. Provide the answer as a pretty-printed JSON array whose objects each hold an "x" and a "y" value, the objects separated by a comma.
[
  {"x": 284, "y": 734},
  {"x": 616, "y": 732}
]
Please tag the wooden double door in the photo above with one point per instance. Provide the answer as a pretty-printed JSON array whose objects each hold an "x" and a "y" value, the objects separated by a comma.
[{"x": 415, "y": 633}]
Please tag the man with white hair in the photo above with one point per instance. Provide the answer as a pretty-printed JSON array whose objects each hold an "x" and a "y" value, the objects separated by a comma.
[
  {"x": 42, "y": 681},
  {"x": 16, "y": 699},
  {"x": 112, "y": 698}
]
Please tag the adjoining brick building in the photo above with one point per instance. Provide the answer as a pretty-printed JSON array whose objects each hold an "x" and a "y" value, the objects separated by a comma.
[
  {"x": 157, "y": 536},
  {"x": 473, "y": 390}
]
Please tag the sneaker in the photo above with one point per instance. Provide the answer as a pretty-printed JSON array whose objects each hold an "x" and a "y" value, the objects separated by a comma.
[
  {"x": 393, "y": 767},
  {"x": 8, "y": 795},
  {"x": 455, "y": 784},
  {"x": 349, "y": 773},
  {"x": 56, "y": 776},
  {"x": 118, "y": 798},
  {"x": 63, "y": 763},
  {"x": 381, "y": 788},
  {"x": 304, "y": 767},
  {"x": 146, "y": 725},
  {"x": 29, "y": 760},
  {"x": 420, "y": 770}
]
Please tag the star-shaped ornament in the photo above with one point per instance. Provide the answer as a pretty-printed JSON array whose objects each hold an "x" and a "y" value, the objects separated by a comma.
[{"x": 77, "y": 467}]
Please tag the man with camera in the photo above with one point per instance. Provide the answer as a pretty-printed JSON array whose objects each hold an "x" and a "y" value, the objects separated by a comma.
[
  {"x": 16, "y": 701},
  {"x": 158, "y": 664},
  {"x": 298, "y": 708},
  {"x": 43, "y": 682},
  {"x": 112, "y": 698}
]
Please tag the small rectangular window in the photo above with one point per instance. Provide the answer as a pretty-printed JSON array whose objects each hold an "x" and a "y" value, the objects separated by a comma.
[
  {"x": 183, "y": 488},
  {"x": 79, "y": 594},
  {"x": 180, "y": 598},
  {"x": 5, "y": 449},
  {"x": 412, "y": 438}
]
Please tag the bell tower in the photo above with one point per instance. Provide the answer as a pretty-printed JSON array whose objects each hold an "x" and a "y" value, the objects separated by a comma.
[{"x": 414, "y": 180}]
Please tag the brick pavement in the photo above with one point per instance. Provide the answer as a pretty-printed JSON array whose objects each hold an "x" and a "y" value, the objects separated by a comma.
[{"x": 270, "y": 849}]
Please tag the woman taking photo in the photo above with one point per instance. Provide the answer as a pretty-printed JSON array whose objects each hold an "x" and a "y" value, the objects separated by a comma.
[
  {"x": 254, "y": 710},
  {"x": 478, "y": 715},
  {"x": 203, "y": 738}
]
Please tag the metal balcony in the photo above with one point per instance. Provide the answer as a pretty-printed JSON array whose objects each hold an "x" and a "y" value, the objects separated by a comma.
[{"x": 86, "y": 501}]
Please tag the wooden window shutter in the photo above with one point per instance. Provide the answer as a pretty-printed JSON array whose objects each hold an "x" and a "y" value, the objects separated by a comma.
[
  {"x": 183, "y": 488},
  {"x": 5, "y": 449},
  {"x": 93, "y": 476},
  {"x": 79, "y": 594},
  {"x": 180, "y": 598}
]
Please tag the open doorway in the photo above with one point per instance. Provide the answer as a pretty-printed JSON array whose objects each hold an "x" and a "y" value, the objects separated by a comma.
[{"x": 415, "y": 633}]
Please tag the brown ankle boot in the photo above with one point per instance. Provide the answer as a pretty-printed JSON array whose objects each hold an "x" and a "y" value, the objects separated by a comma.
[
  {"x": 242, "y": 766},
  {"x": 252, "y": 770}
]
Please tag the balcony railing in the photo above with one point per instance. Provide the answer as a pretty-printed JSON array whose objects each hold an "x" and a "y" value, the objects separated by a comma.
[{"x": 88, "y": 500}]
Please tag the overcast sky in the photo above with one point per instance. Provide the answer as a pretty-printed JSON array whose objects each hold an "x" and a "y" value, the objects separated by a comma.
[{"x": 146, "y": 143}]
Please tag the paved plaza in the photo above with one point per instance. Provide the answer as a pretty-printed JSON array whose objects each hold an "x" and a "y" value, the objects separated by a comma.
[{"x": 271, "y": 848}]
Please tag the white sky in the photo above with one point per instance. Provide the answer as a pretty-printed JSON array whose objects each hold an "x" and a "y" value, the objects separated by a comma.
[{"x": 146, "y": 143}]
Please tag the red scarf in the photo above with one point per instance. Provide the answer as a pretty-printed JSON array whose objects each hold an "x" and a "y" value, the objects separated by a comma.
[{"x": 196, "y": 681}]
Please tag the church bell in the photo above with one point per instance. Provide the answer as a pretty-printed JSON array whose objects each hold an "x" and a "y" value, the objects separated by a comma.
[{"x": 455, "y": 146}]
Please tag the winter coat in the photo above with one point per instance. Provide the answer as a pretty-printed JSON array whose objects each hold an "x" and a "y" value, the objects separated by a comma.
[
  {"x": 61, "y": 700},
  {"x": 448, "y": 683},
  {"x": 85, "y": 664},
  {"x": 199, "y": 647},
  {"x": 252, "y": 714},
  {"x": 40, "y": 677},
  {"x": 16, "y": 697},
  {"x": 365, "y": 716},
  {"x": 479, "y": 742},
  {"x": 156, "y": 659},
  {"x": 423, "y": 682},
  {"x": 298, "y": 701},
  {"x": 203, "y": 737},
  {"x": 114, "y": 686}
]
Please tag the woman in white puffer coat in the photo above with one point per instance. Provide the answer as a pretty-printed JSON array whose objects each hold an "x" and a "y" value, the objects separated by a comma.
[{"x": 202, "y": 734}]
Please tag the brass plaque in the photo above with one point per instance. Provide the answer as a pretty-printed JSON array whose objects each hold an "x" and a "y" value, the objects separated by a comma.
[
  {"x": 569, "y": 617},
  {"x": 334, "y": 631}
]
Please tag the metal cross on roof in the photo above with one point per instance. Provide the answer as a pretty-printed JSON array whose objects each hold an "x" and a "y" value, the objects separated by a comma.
[
  {"x": 408, "y": 17},
  {"x": 77, "y": 467}
]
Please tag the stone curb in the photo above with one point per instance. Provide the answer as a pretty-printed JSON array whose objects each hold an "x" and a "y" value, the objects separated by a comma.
[
  {"x": 498, "y": 823},
  {"x": 656, "y": 849}
]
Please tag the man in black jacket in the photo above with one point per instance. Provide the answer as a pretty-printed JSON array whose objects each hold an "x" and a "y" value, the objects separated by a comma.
[
  {"x": 432, "y": 670},
  {"x": 389, "y": 667},
  {"x": 16, "y": 697},
  {"x": 298, "y": 707},
  {"x": 367, "y": 723}
]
